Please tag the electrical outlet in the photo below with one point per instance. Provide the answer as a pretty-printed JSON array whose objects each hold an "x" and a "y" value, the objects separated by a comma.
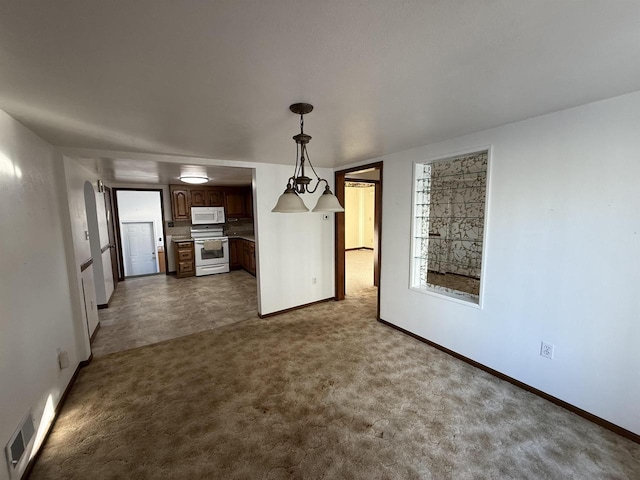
[
  {"x": 314, "y": 280},
  {"x": 546, "y": 350}
]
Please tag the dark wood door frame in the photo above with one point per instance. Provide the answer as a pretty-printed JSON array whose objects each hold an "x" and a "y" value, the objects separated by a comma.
[
  {"x": 119, "y": 235},
  {"x": 111, "y": 230},
  {"x": 340, "y": 230}
]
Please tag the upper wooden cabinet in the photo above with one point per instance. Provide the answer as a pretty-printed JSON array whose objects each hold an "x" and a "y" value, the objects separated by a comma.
[
  {"x": 248, "y": 202},
  {"x": 215, "y": 198},
  {"x": 180, "y": 204},
  {"x": 199, "y": 197},
  {"x": 234, "y": 204},
  {"x": 237, "y": 201}
]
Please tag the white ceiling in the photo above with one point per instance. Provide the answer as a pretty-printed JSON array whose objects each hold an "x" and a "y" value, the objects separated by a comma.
[
  {"x": 215, "y": 79},
  {"x": 120, "y": 170}
]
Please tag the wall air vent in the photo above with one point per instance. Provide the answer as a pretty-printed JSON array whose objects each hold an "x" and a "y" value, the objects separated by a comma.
[{"x": 18, "y": 445}]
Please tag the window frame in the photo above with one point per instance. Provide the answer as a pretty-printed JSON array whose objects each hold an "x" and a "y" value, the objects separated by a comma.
[{"x": 453, "y": 296}]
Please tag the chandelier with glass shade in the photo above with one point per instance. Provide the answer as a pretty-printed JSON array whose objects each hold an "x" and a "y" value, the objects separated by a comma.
[{"x": 299, "y": 183}]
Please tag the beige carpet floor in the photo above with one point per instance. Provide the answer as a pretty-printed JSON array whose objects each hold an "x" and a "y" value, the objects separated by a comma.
[
  {"x": 358, "y": 270},
  {"x": 322, "y": 392}
]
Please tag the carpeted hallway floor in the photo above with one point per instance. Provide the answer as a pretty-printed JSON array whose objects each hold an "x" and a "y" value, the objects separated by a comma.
[
  {"x": 322, "y": 392},
  {"x": 358, "y": 270}
]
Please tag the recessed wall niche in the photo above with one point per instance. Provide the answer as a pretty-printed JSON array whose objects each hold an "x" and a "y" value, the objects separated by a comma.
[{"x": 449, "y": 206}]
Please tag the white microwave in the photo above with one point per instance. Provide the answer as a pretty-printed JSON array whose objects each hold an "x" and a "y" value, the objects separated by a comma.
[{"x": 207, "y": 215}]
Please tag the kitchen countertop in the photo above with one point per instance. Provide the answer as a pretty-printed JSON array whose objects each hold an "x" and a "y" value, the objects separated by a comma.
[
  {"x": 249, "y": 237},
  {"x": 181, "y": 239}
]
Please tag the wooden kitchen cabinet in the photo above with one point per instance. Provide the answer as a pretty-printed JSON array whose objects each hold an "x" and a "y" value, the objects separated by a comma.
[
  {"x": 249, "y": 256},
  {"x": 248, "y": 202},
  {"x": 215, "y": 197},
  {"x": 234, "y": 199},
  {"x": 180, "y": 204},
  {"x": 234, "y": 203},
  {"x": 252, "y": 258},
  {"x": 235, "y": 253},
  {"x": 199, "y": 198},
  {"x": 238, "y": 202},
  {"x": 242, "y": 254},
  {"x": 185, "y": 259}
]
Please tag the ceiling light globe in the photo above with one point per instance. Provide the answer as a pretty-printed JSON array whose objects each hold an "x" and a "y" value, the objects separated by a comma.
[
  {"x": 290, "y": 202},
  {"x": 328, "y": 202},
  {"x": 194, "y": 179}
]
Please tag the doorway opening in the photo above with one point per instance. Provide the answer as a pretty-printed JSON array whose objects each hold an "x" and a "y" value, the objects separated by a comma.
[
  {"x": 140, "y": 232},
  {"x": 359, "y": 189}
]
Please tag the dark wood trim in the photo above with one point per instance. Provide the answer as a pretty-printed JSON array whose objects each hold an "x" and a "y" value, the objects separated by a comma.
[
  {"x": 377, "y": 237},
  {"x": 286, "y": 310},
  {"x": 105, "y": 248},
  {"x": 102, "y": 306},
  {"x": 118, "y": 235},
  {"x": 561, "y": 403},
  {"x": 358, "y": 248},
  {"x": 116, "y": 227},
  {"x": 86, "y": 264},
  {"x": 29, "y": 469},
  {"x": 340, "y": 229},
  {"x": 95, "y": 332}
]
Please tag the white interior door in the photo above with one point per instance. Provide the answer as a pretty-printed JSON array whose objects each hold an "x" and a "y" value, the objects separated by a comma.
[{"x": 140, "y": 248}]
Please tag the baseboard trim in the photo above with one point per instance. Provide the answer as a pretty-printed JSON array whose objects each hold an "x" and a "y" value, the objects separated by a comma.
[
  {"x": 56, "y": 413},
  {"x": 286, "y": 310},
  {"x": 93, "y": 335},
  {"x": 357, "y": 248},
  {"x": 102, "y": 306},
  {"x": 634, "y": 437}
]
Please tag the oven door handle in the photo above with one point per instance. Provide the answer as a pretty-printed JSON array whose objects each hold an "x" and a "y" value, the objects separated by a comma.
[{"x": 201, "y": 242}]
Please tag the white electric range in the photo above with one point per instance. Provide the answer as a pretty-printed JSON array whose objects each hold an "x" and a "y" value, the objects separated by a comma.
[{"x": 211, "y": 249}]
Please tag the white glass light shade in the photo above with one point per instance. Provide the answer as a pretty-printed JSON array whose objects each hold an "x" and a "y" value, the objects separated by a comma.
[
  {"x": 194, "y": 179},
  {"x": 328, "y": 202},
  {"x": 290, "y": 202}
]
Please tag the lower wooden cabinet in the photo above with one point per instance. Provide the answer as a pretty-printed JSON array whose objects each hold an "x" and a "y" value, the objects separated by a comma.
[
  {"x": 235, "y": 253},
  {"x": 185, "y": 259},
  {"x": 242, "y": 254},
  {"x": 250, "y": 257}
]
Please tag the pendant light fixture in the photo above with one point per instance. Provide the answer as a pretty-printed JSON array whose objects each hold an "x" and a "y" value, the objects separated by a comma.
[{"x": 299, "y": 183}]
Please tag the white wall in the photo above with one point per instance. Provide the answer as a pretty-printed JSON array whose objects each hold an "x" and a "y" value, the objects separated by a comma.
[
  {"x": 293, "y": 248},
  {"x": 94, "y": 211},
  {"x": 352, "y": 218},
  {"x": 166, "y": 194},
  {"x": 562, "y": 261},
  {"x": 359, "y": 211},
  {"x": 75, "y": 177},
  {"x": 368, "y": 213},
  {"x": 37, "y": 314}
]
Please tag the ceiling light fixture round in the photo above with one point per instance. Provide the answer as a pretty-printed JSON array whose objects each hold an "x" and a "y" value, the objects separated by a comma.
[{"x": 194, "y": 179}]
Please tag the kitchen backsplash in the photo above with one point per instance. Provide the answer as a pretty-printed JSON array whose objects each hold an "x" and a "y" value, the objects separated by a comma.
[
  {"x": 241, "y": 227},
  {"x": 179, "y": 229}
]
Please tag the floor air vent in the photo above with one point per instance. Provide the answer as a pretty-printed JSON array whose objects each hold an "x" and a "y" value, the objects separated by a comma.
[{"x": 19, "y": 442}]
